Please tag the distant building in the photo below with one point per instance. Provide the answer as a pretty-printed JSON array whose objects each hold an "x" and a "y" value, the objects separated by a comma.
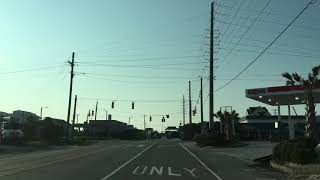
[
  {"x": 23, "y": 116},
  {"x": 105, "y": 127},
  {"x": 58, "y": 122},
  {"x": 4, "y": 114},
  {"x": 260, "y": 124}
]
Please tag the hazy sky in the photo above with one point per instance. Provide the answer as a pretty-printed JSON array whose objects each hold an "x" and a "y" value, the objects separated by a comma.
[{"x": 147, "y": 50}]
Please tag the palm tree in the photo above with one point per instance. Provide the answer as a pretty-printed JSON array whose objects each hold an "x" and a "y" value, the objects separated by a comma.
[
  {"x": 227, "y": 121},
  {"x": 311, "y": 82}
]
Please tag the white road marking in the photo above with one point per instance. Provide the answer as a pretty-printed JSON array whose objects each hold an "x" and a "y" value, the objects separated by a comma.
[
  {"x": 137, "y": 168},
  {"x": 203, "y": 164},
  {"x": 154, "y": 168},
  {"x": 170, "y": 173},
  {"x": 191, "y": 171},
  {"x": 144, "y": 170},
  {"x": 123, "y": 165}
]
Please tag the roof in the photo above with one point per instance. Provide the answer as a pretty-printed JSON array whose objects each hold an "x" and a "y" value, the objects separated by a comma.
[{"x": 281, "y": 95}]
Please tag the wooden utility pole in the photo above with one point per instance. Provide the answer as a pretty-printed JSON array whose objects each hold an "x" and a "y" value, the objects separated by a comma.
[
  {"x": 201, "y": 100},
  {"x": 70, "y": 96},
  {"x": 95, "y": 115},
  {"x": 144, "y": 122},
  {"x": 190, "y": 116},
  {"x": 74, "y": 115},
  {"x": 184, "y": 110},
  {"x": 211, "y": 103}
]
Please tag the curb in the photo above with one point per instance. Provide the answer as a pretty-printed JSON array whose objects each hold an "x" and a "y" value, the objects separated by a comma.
[
  {"x": 281, "y": 168},
  {"x": 297, "y": 169}
]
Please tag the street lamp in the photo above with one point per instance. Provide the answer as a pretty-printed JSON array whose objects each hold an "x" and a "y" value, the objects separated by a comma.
[{"x": 41, "y": 111}]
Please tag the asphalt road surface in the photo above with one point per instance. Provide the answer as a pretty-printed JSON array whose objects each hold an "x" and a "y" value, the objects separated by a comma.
[{"x": 122, "y": 160}]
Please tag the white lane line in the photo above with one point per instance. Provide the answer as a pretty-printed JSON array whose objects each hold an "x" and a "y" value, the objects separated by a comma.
[
  {"x": 126, "y": 163},
  {"x": 202, "y": 163}
]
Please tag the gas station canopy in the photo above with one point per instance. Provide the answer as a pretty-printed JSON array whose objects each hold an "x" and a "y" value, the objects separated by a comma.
[{"x": 281, "y": 95}]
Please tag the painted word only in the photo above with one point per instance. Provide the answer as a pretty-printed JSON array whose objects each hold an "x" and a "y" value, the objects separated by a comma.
[{"x": 159, "y": 171}]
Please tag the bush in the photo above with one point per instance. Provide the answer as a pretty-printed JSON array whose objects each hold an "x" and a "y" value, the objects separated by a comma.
[
  {"x": 210, "y": 139},
  {"x": 300, "y": 150}
]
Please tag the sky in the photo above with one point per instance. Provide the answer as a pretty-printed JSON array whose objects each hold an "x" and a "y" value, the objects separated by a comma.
[{"x": 146, "y": 52}]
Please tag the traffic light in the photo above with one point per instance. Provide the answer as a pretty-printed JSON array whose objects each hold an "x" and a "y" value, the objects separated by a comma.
[
  {"x": 163, "y": 119},
  {"x": 92, "y": 112},
  {"x": 167, "y": 115},
  {"x": 132, "y": 105},
  {"x": 150, "y": 118},
  {"x": 112, "y": 105}
]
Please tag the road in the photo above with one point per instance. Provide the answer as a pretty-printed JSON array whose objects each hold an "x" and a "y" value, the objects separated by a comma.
[{"x": 121, "y": 160}]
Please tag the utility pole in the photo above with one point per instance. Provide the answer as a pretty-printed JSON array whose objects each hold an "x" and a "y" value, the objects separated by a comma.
[
  {"x": 211, "y": 103},
  {"x": 78, "y": 118},
  {"x": 70, "y": 95},
  {"x": 190, "y": 116},
  {"x": 201, "y": 100},
  {"x": 95, "y": 115},
  {"x": 129, "y": 121},
  {"x": 106, "y": 114},
  {"x": 184, "y": 110},
  {"x": 41, "y": 109},
  {"x": 144, "y": 122},
  {"x": 74, "y": 115}
]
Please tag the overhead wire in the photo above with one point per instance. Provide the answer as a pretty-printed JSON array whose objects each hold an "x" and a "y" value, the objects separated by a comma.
[
  {"x": 244, "y": 34},
  {"x": 267, "y": 47}
]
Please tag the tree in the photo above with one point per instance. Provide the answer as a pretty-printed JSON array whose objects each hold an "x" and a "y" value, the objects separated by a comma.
[
  {"x": 311, "y": 82},
  {"x": 227, "y": 121}
]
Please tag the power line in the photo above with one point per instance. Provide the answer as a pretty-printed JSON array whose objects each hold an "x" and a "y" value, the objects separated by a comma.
[
  {"x": 132, "y": 76},
  {"x": 155, "y": 65},
  {"x": 276, "y": 53},
  {"x": 136, "y": 66},
  {"x": 245, "y": 33},
  {"x": 139, "y": 59},
  {"x": 131, "y": 100},
  {"x": 265, "y": 49},
  {"x": 32, "y": 69}
]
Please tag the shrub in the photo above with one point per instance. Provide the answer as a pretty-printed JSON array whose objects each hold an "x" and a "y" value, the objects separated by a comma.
[
  {"x": 210, "y": 139},
  {"x": 300, "y": 150}
]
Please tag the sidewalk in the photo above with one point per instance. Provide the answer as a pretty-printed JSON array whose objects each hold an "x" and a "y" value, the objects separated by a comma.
[{"x": 248, "y": 153}]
